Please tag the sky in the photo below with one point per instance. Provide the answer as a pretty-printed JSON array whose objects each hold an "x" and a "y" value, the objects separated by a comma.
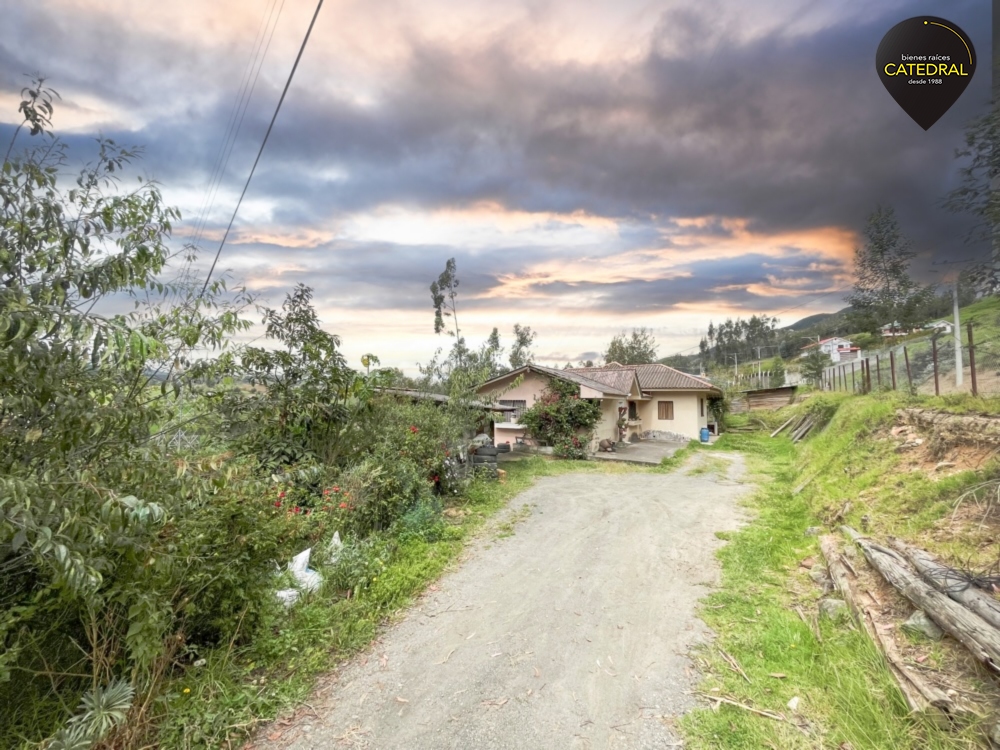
[{"x": 592, "y": 167}]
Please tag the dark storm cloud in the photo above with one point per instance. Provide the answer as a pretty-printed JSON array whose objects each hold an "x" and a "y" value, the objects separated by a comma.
[{"x": 787, "y": 131}]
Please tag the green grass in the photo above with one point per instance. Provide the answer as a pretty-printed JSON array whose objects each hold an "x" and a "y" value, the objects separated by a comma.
[
  {"x": 710, "y": 465},
  {"x": 679, "y": 457},
  {"x": 846, "y": 693}
]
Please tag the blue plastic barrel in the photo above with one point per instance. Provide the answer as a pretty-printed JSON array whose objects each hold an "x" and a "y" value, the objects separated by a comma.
[{"x": 704, "y": 434}]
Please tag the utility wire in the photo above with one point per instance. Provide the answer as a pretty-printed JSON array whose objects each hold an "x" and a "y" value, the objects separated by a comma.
[
  {"x": 236, "y": 126},
  {"x": 263, "y": 143},
  {"x": 237, "y": 103}
]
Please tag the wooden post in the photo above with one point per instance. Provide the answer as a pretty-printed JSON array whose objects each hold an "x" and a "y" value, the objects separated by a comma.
[
  {"x": 972, "y": 359},
  {"x": 937, "y": 387},
  {"x": 854, "y": 386},
  {"x": 892, "y": 367},
  {"x": 878, "y": 371},
  {"x": 909, "y": 377}
]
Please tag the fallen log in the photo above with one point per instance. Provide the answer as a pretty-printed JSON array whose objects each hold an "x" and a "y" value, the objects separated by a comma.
[
  {"x": 919, "y": 694},
  {"x": 778, "y": 431},
  {"x": 966, "y": 627},
  {"x": 951, "y": 582}
]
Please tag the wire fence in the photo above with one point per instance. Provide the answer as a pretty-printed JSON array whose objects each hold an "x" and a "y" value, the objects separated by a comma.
[{"x": 926, "y": 366}]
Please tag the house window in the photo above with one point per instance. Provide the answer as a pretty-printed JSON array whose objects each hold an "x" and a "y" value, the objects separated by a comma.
[
  {"x": 633, "y": 412},
  {"x": 665, "y": 409},
  {"x": 520, "y": 405},
  {"x": 701, "y": 406}
]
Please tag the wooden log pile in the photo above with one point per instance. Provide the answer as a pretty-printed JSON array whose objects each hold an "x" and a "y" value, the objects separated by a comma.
[
  {"x": 980, "y": 637},
  {"x": 799, "y": 427},
  {"x": 920, "y": 695}
]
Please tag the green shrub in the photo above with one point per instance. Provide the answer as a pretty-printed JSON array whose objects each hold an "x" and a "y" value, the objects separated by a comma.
[{"x": 562, "y": 419}]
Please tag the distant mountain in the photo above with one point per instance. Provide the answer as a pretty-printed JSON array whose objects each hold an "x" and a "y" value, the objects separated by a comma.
[{"x": 815, "y": 320}]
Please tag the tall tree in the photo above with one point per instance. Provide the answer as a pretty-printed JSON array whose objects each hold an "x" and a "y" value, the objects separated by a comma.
[
  {"x": 637, "y": 349},
  {"x": 977, "y": 194},
  {"x": 444, "y": 296},
  {"x": 884, "y": 293},
  {"x": 520, "y": 352}
]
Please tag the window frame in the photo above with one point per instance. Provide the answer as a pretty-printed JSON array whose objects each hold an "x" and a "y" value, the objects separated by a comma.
[{"x": 665, "y": 407}]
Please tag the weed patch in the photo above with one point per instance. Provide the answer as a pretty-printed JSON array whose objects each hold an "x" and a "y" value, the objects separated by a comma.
[{"x": 847, "y": 697}]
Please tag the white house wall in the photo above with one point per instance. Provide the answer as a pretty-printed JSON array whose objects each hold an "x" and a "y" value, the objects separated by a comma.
[
  {"x": 687, "y": 419},
  {"x": 607, "y": 426}
]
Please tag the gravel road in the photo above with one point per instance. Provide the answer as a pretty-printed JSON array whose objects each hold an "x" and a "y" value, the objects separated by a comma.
[{"x": 572, "y": 632}]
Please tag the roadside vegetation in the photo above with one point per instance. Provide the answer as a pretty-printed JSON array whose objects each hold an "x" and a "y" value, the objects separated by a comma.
[
  {"x": 156, "y": 479},
  {"x": 765, "y": 612}
]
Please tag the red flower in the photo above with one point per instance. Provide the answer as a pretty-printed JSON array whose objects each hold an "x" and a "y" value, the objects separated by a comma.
[
  {"x": 326, "y": 492},
  {"x": 414, "y": 429},
  {"x": 281, "y": 494},
  {"x": 336, "y": 489},
  {"x": 436, "y": 478},
  {"x": 277, "y": 503},
  {"x": 343, "y": 505}
]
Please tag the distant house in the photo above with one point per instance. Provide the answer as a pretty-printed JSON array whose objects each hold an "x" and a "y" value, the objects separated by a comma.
[
  {"x": 939, "y": 326},
  {"x": 653, "y": 401},
  {"x": 838, "y": 349},
  {"x": 894, "y": 330}
]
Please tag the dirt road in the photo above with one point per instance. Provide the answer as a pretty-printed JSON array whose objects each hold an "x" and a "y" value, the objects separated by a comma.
[{"x": 572, "y": 632}]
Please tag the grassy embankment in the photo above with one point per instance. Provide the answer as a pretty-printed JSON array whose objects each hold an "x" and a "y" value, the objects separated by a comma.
[
  {"x": 219, "y": 704},
  {"x": 846, "y": 694}
]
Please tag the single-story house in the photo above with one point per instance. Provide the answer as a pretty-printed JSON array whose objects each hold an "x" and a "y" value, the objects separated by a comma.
[
  {"x": 939, "y": 326},
  {"x": 652, "y": 401},
  {"x": 836, "y": 347}
]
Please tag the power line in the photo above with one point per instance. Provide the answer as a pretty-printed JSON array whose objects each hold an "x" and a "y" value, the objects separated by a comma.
[
  {"x": 237, "y": 103},
  {"x": 263, "y": 143},
  {"x": 239, "y": 111}
]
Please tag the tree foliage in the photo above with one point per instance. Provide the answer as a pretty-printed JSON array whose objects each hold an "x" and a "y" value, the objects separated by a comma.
[
  {"x": 520, "y": 352},
  {"x": 743, "y": 339},
  {"x": 977, "y": 196},
  {"x": 639, "y": 348},
  {"x": 814, "y": 364},
  {"x": 562, "y": 419},
  {"x": 884, "y": 293}
]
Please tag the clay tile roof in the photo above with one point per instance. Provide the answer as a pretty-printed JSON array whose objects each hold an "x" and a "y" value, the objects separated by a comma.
[
  {"x": 654, "y": 377},
  {"x": 619, "y": 379},
  {"x": 578, "y": 376}
]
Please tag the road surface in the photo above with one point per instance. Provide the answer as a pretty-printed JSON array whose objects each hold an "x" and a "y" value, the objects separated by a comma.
[{"x": 572, "y": 632}]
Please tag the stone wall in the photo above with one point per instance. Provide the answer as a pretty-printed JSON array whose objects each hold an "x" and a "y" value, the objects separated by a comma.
[
  {"x": 975, "y": 429},
  {"x": 671, "y": 437}
]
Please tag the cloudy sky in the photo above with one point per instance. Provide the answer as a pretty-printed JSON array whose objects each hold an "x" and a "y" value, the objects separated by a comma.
[{"x": 591, "y": 166}]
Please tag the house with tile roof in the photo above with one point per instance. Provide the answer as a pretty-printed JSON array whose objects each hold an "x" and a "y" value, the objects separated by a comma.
[{"x": 637, "y": 401}]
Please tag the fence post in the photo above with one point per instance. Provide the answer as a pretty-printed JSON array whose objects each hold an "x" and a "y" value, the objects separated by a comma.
[
  {"x": 937, "y": 387},
  {"x": 868, "y": 374},
  {"x": 854, "y": 386},
  {"x": 909, "y": 377},
  {"x": 878, "y": 371},
  {"x": 972, "y": 359},
  {"x": 892, "y": 367}
]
